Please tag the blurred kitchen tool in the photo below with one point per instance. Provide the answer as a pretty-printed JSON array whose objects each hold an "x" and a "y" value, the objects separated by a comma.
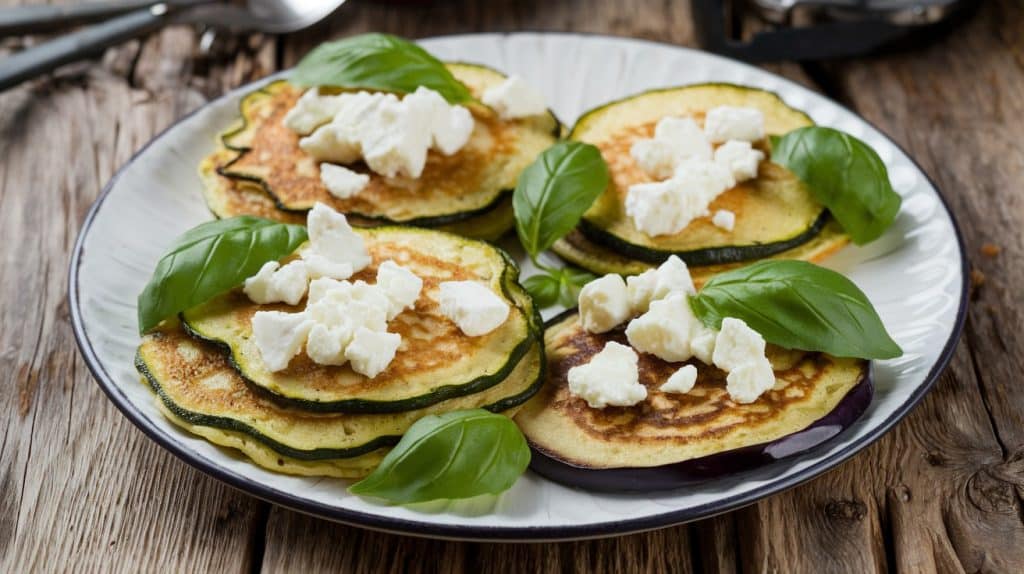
[
  {"x": 138, "y": 18},
  {"x": 819, "y": 29}
]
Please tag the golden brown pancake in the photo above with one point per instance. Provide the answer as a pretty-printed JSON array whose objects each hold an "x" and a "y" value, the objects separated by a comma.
[
  {"x": 200, "y": 391},
  {"x": 666, "y": 427},
  {"x": 434, "y": 352}
]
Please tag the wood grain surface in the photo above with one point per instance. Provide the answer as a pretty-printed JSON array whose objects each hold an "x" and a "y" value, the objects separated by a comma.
[{"x": 82, "y": 490}]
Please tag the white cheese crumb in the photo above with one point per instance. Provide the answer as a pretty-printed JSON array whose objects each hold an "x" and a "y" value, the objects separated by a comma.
[
  {"x": 391, "y": 135},
  {"x": 724, "y": 219},
  {"x": 664, "y": 330},
  {"x": 612, "y": 377},
  {"x": 740, "y": 158},
  {"x": 399, "y": 139},
  {"x": 749, "y": 381},
  {"x": 311, "y": 111},
  {"x": 514, "y": 98},
  {"x": 675, "y": 140},
  {"x": 319, "y": 266},
  {"x": 331, "y": 236},
  {"x": 604, "y": 304},
  {"x": 736, "y": 345},
  {"x": 702, "y": 343},
  {"x": 472, "y": 306},
  {"x": 326, "y": 344},
  {"x": 685, "y": 137},
  {"x": 279, "y": 336},
  {"x": 370, "y": 352},
  {"x": 726, "y": 123},
  {"x": 656, "y": 158},
  {"x": 450, "y": 126},
  {"x": 342, "y": 182},
  {"x": 667, "y": 207},
  {"x": 401, "y": 286},
  {"x": 276, "y": 284},
  {"x": 681, "y": 381},
  {"x": 672, "y": 276}
]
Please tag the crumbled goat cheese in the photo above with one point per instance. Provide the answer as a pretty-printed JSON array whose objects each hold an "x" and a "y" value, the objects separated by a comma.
[
  {"x": 276, "y": 284},
  {"x": 726, "y": 123},
  {"x": 604, "y": 304},
  {"x": 681, "y": 381},
  {"x": 401, "y": 286},
  {"x": 740, "y": 158},
  {"x": 342, "y": 182},
  {"x": 612, "y": 377},
  {"x": 514, "y": 98},
  {"x": 475, "y": 308},
  {"x": 370, "y": 352},
  {"x": 279, "y": 336},
  {"x": 724, "y": 219}
]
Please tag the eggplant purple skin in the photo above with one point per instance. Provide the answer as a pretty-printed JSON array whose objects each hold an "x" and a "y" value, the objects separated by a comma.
[{"x": 715, "y": 466}]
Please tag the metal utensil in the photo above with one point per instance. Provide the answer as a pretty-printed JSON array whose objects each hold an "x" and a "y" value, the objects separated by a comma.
[{"x": 271, "y": 16}]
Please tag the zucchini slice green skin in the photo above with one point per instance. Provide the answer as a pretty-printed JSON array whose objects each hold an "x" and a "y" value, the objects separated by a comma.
[
  {"x": 230, "y": 424},
  {"x": 775, "y": 212},
  {"x": 236, "y": 139},
  {"x": 679, "y": 434},
  {"x": 513, "y": 293},
  {"x": 707, "y": 256}
]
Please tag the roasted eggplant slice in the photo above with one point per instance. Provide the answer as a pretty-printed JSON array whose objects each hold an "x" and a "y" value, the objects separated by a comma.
[
  {"x": 200, "y": 390},
  {"x": 671, "y": 439},
  {"x": 436, "y": 360},
  {"x": 775, "y": 213},
  {"x": 473, "y": 182}
]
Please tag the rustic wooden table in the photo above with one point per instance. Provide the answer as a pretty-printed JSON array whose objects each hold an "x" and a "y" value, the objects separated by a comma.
[{"x": 81, "y": 489}]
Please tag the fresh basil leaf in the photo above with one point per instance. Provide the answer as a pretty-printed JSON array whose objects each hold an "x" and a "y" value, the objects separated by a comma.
[
  {"x": 210, "y": 259},
  {"x": 845, "y": 175},
  {"x": 378, "y": 62},
  {"x": 543, "y": 288},
  {"x": 555, "y": 190},
  {"x": 557, "y": 286},
  {"x": 459, "y": 454},
  {"x": 797, "y": 305}
]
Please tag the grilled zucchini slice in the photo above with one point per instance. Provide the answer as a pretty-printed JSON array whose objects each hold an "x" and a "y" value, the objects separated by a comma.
[
  {"x": 475, "y": 181},
  {"x": 671, "y": 428},
  {"x": 199, "y": 389},
  {"x": 775, "y": 212},
  {"x": 227, "y": 197},
  {"x": 436, "y": 360}
]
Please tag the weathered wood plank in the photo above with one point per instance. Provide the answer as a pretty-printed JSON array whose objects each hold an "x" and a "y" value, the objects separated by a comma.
[{"x": 80, "y": 488}]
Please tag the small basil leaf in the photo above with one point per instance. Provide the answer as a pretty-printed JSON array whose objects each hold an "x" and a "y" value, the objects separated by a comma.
[
  {"x": 459, "y": 454},
  {"x": 210, "y": 259},
  {"x": 797, "y": 305},
  {"x": 378, "y": 62},
  {"x": 543, "y": 288},
  {"x": 557, "y": 286},
  {"x": 555, "y": 190},
  {"x": 845, "y": 175}
]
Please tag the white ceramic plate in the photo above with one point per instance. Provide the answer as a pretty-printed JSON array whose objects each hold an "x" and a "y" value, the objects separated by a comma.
[{"x": 915, "y": 276}]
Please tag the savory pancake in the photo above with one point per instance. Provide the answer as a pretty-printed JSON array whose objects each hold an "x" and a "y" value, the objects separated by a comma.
[
  {"x": 227, "y": 197},
  {"x": 667, "y": 427},
  {"x": 775, "y": 213},
  {"x": 198, "y": 387},
  {"x": 436, "y": 360},
  {"x": 475, "y": 180}
]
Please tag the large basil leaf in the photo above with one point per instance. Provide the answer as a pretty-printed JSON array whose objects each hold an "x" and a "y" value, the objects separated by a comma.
[
  {"x": 459, "y": 454},
  {"x": 378, "y": 62},
  {"x": 557, "y": 286},
  {"x": 555, "y": 190},
  {"x": 210, "y": 259},
  {"x": 845, "y": 175},
  {"x": 797, "y": 305}
]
